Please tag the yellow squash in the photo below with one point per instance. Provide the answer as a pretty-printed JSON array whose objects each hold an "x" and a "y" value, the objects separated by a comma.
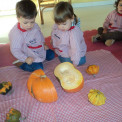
[
  {"x": 70, "y": 78},
  {"x": 96, "y": 97}
]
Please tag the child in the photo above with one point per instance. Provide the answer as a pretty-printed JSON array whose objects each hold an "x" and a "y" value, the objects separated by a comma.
[
  {"x": 67, "y": 38},
  {"x": 112, "y": 27},
  {"x": 26, "y": 39}
]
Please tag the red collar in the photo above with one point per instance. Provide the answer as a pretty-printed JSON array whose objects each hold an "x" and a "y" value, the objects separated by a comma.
[
  {"x": 18, "y": 25},
  {"x": 72, "y": 27},
  {"x": 119, "y": 14}
]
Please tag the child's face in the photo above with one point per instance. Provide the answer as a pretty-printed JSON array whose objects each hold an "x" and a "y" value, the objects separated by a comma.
[
  {"x": 65, "y": 25},
  {"x": 120, "y": 7},
  {"x": 26, "y": 24}
]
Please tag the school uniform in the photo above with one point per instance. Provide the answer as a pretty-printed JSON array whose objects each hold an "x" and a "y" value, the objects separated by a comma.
[
  {"x": 69, "y": 45},
  {"x": 30, "y": 43}
]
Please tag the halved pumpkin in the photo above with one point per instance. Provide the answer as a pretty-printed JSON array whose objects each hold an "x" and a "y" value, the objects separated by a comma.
[{"x": 70, "y": 78}]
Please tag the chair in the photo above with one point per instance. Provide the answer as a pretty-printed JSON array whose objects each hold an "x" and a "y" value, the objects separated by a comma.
[{"x": 43, "y": 4}]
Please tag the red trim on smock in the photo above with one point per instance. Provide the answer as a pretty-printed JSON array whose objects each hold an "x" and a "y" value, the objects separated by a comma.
[
  {"x": 58, "y": 50},
  {"x": 35, "y": 47},
  {"x": 112, "y": 27}
]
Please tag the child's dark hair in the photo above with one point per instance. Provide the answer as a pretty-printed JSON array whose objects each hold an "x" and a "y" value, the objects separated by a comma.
[
  {"x": 63, "y": 11},
  {"x": 26, "y": 9},
  {"x": 116, "y": 3}
]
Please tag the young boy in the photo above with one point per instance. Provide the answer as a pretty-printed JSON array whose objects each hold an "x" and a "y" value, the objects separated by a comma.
[{"x": 26, "y": 39}]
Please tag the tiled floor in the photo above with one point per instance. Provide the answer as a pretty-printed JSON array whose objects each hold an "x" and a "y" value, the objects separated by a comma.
[{"x": 91, "y": 18}]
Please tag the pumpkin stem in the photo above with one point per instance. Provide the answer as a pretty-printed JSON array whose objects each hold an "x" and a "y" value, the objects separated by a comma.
[
  {"x": 43, "y": 76},
  {"x": 94, "y": 76},
  {"x": 98, "y": 92}
]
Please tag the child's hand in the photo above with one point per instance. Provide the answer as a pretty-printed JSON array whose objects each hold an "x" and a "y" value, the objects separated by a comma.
[
  {"x": 105, "y": 30},
  {"x": 29, "y": 60},
  {"x": 45, "y": 47}
]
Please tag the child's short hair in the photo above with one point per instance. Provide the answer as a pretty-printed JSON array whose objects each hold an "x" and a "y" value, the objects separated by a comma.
[
  {"x": 26, "y": 9},
  {"x": 63, "y": 11},
  {"x": 116, "y": 3}
]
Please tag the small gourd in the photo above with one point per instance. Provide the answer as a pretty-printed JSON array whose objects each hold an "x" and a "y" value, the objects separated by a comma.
[
  {"x": 96, "y": 97},
  {"x": 5, "y": 87},
  {"x": 41, "y": 88},
  {"x": 70, "y": 78},
  {"x": 13, "y": 115},
  {"x": 92, "y": 69}
]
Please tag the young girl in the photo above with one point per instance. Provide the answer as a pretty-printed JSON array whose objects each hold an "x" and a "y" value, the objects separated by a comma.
[
  {"x": 67, "y": 37},
  {"x": 26, "y": 39},
  {"x": 112, "y": 27}
]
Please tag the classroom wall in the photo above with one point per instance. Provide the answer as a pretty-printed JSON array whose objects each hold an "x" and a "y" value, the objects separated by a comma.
[
  {"x": 80, "y": 1},
  {"x": 86, "y": 3}
]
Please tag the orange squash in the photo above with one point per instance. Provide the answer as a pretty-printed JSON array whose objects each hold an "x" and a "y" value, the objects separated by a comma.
[
  {"x": 41, "y": 87},
  {"x": 92, "y": 69},
  {"x": 70, "y": 78}
]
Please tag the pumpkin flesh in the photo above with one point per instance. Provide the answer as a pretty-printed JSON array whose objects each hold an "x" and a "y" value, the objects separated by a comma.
[{"x": 70, "y": 78}]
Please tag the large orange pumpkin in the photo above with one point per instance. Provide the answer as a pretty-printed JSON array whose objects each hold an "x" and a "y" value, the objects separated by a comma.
[
  {"x": 70, "y": 78},
  {"x": 41, "y": 87}
]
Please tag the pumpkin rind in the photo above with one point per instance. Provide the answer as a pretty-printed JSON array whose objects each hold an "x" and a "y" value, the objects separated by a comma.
[
  {"x": 41, "y": 87},
  {"x": 96, "y": 97},
  {"x": 92, "y": 69},
  {"x": 70, "y": 78},
  {"x": 13, "y": 115}
]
